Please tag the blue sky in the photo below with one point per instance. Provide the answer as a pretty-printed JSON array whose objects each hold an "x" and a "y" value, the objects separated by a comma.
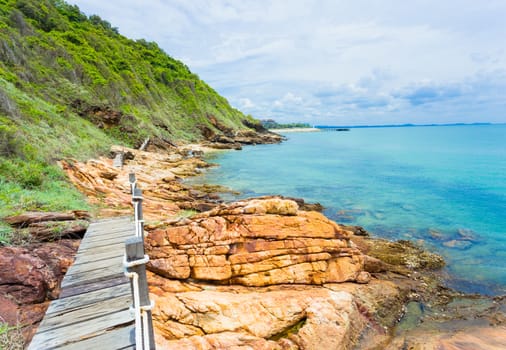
[{"x": 334, "y": 62}]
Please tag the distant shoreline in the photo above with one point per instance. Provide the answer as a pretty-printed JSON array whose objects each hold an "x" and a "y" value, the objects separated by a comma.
[
  {"x": 295, "y": 130},
  {"x": 323, "y": 127}
]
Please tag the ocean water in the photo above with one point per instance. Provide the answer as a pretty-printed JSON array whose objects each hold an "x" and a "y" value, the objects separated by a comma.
[{"x": 443, "y": 187}]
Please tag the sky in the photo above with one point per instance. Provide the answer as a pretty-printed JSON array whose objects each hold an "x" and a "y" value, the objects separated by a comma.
[{"x": 334, "y": 62}]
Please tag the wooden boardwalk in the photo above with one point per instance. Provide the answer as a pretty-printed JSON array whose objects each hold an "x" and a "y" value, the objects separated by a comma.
[{"x": 93, "y": 309}]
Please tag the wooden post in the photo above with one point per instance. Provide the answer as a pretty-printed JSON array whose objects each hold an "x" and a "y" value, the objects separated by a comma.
[
  {"x": 135, "y": 251},
  {"x": 139, "y": 221},
  {"x": 144, "y": 144},
  {"x": 132, "y": 181},
  {"x": 118, "y": 160}
]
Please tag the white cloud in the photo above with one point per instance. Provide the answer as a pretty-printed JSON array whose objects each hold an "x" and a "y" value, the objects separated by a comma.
[
  {"x": 288, "y": 99},
  {"x": 345, "y": 61},
  {"x": 246, "y": 103}
]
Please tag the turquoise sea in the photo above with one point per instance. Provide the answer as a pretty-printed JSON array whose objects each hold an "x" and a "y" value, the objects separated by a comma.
[{"x": 442, "y": 186}]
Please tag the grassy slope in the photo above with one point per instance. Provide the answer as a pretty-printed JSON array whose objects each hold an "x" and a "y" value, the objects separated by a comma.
[{"x": 57, "y": 65}]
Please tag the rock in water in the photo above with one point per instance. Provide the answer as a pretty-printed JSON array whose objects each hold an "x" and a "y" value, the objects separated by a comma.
[{"x": 256, "y": 243}]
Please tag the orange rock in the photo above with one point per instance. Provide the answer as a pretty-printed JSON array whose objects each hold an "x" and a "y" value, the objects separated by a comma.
[
  {"x": 223, "y": 320},
  {"x": 157, "y": 175},
  {"x": 258, "y": 242}
]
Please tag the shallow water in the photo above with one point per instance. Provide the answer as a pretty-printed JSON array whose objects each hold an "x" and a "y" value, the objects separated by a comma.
[{"x": 444, "y": 187}]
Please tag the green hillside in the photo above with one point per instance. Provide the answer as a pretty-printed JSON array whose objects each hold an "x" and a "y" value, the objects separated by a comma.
[{"x": 71, "y": 85}]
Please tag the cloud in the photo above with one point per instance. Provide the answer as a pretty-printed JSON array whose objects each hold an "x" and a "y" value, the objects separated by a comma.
[
  {"x": 246, "y": 103},
  {"x": 427, "y": 92},
  {"x": 327, "y": 60},
  {"x": 288, "y": 98}
]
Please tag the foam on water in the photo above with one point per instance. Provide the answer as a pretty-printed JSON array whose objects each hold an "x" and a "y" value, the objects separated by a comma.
[{"x": 444, "y": 187}]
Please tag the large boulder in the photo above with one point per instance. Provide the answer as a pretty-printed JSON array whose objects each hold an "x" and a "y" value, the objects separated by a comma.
[
  {"x": 31, "y": 275},
  {"x": 256, "y": 243},
  {"x": 232, "y": 317}
]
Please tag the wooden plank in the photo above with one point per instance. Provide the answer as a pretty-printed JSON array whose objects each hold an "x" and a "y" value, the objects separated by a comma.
[
  {"x": 116, "y": 262},
  {"x": 105, "y": 224},
  {"x": 68, "y": 334},
  {"x": 110, "y": 227},
  {"x": 111, "y": 223},
  {"x": 105, "y": 241},
  {"x": 101, "y": 256},
  {"x": 90, "y": 286},
  {"x": 92, "y": 276},
  {"x": 121, "y": 338},
  {"x": 114, "y": 246},
  {"x": 81, "y": 300},
  {"x": 85, "y": 313},
  {"x": 93, "y": 309},
  {"x": 128, "y": 231},
  {"x": 112, "y": 265},
  {"x": 98, "y": 280}
]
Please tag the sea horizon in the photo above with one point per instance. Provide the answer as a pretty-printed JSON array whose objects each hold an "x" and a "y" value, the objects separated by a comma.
[{"x": 404, "y": 125}]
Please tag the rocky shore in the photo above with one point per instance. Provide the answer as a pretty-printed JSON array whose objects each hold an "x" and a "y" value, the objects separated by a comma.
[{"x": 267, "y": 273}]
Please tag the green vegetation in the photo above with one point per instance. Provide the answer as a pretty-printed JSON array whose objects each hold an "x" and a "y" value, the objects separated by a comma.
[
  {"x": 272, "y": 124},
  {"x": 11, "y": 338},
  {"x": 71, "y": 85}
]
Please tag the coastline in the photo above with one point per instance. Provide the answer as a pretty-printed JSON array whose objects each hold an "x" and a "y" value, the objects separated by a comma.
[{"x": 408, "y": 274}]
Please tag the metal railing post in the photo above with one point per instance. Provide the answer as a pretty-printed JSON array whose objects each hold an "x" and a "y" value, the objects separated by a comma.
[
  {"x": 135, "y": 263},
  {"x": 139, "y": 221},
  {"x": 132, "y": 181},
  {"x": 135, "y": 266}
]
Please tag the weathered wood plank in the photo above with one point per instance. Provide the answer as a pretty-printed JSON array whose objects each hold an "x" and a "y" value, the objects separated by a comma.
[
  {"x": 105, "y": 241},
  {"x": 90, "y": 286},
  {"x": 115, "y": 246},
  {"x": 115, "y": 222},
  {"x": 112, "y": 246},
  {"x": 93, "y": 309},
  {"x": 126, "y": 231},
  {"x": 81, "y": 300},
  {"x": 115, "y": 226},
  {"x": 116, "y": 262},
  {"x": 101, "y": 235},
  {"x": 101, "y": 256},
  {"x": 122, "y": 338},
  {"x": 75, "y": 332},
  {"x": 85, "y": 313},
  {"x": 91, "y": 277}
]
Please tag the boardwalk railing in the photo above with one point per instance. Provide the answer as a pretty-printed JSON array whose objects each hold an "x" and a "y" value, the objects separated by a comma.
[{"x": 135, "y": 269}]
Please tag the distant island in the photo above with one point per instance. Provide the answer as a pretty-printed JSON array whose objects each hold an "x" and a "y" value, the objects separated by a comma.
[
  {"x": 342, "y": 127},
  {"x": 272, "y": 124}
]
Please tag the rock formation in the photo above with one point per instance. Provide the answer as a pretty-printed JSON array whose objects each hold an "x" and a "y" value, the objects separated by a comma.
[
  {"x": 210, "y": 317},
  {"x": 268, "y": 273},
  {"x": 267, "y": 243},
  {"x": 164, "y": 194},
  {"x": 29, "y": 276},
  {"x": 256, "y": 243}
]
